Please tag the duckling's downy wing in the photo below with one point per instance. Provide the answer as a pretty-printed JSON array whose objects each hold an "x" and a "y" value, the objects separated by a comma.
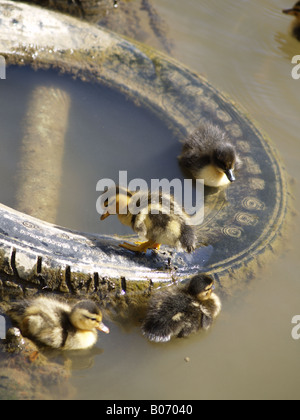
[
  {"x": 17, "y": 311},
  {"x": 210, "y": 309},
  {"x": 169, "y": 315},
  {"x": 43, "y": 329},
  {"x": 159, "y": 218}
]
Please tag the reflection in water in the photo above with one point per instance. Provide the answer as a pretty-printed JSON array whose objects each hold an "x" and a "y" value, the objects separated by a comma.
[
  {"x": 76, "y": 360},
  {"x": 26, "y": 374},
  {"x": 42, "y": 150}
]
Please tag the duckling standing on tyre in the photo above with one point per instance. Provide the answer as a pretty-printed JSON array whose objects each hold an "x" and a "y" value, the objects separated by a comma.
[
  {"x": 179, "y": 312},
  {"x": 208, "y": 154},
  {"x": 156, "y": 217},
  {"x": 57, "y": 324}
]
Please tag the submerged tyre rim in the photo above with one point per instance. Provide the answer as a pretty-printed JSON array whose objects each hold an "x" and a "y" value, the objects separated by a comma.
[{"x": 242, "y": 225}]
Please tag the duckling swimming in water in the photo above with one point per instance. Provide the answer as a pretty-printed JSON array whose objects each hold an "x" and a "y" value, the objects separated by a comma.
[
  {"x": 179, "y": 312},
  {"x": 156, "y": 217},
  {"x": 295, "y": 11},
  {"x": 209, "y": 155},
  {"x": 57, "y": 324}
]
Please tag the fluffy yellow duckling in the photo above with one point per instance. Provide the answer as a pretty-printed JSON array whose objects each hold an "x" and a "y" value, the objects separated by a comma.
[
  {"x": 158, "y": 218},
  {"x": 209, "y": 155},
  {"x": 179, "y": 312},
  {"x": 295, "y": 11},
  {"x": 57, "y": 324}
]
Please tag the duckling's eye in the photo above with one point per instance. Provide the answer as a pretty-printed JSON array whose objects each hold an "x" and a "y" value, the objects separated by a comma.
[
  {"x": 90, "y": 319},
  {"x": 209, "y": 290}
]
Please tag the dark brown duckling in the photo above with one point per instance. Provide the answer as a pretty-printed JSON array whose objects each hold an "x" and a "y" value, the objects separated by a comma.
[
  {"x": 295, "y": 11},
  {"x": 179, "y": 312},
  {"x": 208, "y": 154}
]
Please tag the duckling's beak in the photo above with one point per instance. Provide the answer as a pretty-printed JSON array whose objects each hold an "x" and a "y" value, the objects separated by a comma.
[
  {"x": 289, "y": 11},
  {"x": 230, "y": 175},
  {"x": 103, "y": 328},
  {"x": 104, "y": 216}
]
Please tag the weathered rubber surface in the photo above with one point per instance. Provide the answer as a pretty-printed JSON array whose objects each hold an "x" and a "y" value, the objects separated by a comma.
[
  {"x": 137, "y": 19},
  {"x": 242, "y": 225},
  {"x": 92, "y": 10}
]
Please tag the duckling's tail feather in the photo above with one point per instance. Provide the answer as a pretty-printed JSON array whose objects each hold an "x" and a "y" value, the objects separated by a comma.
[{"x": 157, "y": 338}]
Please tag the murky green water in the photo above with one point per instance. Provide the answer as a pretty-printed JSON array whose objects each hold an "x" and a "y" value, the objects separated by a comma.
[{"x": 243, "y": 48}]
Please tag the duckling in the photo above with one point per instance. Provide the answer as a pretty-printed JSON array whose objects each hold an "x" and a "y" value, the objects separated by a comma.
[
  {"x": 57, "y": 324},
  {"x": 156, "y": 217},
  {"x": 181, "y": 312},
  {"x": 295, "y": 11},
  {"x": 209, "y": 155}
]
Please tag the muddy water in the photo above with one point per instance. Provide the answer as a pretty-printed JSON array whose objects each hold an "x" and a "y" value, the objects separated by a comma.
[{"x": 243, "y": 48}]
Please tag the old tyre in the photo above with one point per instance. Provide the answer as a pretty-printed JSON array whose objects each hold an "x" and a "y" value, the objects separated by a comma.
[{"x": 242, "y": 225}]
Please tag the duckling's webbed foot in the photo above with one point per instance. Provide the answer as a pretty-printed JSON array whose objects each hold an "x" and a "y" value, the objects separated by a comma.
[
  {"x": 141, "y": 247},
  {"x": 33, "y": 356},
  {"x": 155, "y": 245}
]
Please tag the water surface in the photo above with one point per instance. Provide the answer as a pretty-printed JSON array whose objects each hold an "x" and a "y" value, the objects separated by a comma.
[{"x": 243, "y": 47}]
